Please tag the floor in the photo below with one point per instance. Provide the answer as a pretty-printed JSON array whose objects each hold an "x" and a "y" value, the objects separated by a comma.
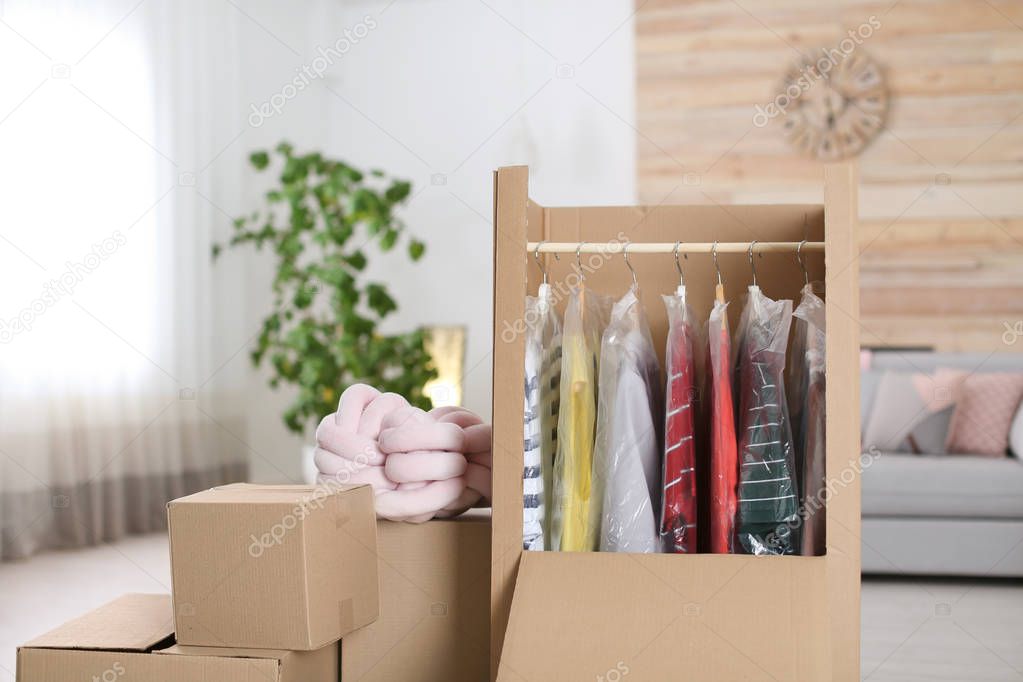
[{"x": 912, "y": 630}]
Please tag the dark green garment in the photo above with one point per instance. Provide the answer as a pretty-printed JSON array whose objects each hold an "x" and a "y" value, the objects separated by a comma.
[{"x": 768, "y": 504}]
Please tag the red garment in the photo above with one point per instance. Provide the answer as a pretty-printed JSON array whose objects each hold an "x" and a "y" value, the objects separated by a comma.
[
  {"x": 724, "y": 463},
  {"x": 678, "y": 504}
]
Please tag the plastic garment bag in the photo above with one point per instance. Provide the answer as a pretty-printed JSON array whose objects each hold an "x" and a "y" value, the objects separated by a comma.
[
  {"x": 626, "y": 460},
  {"x": 767, "y": 514},
  {"x": 678, "y": 513},
  {"x": 809, "y": 419},
  {"x": 723, "y": 453},
  {"x": 542, "y": 387},
  {"x": 572, "y": 527}
]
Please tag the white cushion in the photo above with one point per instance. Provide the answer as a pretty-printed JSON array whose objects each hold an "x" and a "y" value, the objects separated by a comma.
[{"x": 1016, "y": 434}]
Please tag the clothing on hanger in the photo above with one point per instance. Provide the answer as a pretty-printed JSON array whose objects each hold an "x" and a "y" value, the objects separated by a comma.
[
  {"x": 626, "y": 471},
  {"x": 532, "y": 462},
  {"x": 572, "y": 528},
  {"x": 767, "y": 512},
  {"x": 810, "y": 419},
  {"x": 678, "y": 513},
  {"x": 542, "y": 372},
  {"x": 723, "y": 459}
]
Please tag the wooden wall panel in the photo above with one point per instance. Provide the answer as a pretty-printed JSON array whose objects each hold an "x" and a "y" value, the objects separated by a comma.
[{"x": 941, "y": 196}]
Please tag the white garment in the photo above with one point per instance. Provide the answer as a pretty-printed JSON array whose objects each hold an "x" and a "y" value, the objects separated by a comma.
[{"x": 627, "y": 461}]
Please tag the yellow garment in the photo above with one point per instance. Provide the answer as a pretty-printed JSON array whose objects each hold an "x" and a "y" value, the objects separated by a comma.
[
  {"x": 575, "y": 444},
  {"x": 575, "y": 528}
]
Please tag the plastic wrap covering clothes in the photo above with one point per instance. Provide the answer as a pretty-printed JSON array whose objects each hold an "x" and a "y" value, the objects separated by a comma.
[
  {"x": 542, "y": 387},
  {"x": 808, "y": 417},
  {"x": 420, "y": 464},
  {"x": 678, "y": 513},
  {"x": 626, "y": 459},
  {"x": 768, "y": 504},
  {"x": 572, "y": 527},
  {"x": 723, "y": 454}
]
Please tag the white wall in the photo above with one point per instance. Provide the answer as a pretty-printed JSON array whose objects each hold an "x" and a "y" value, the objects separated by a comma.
[
  {"x": 450, "y": 88},
  {"x": 440, "y": 92}
]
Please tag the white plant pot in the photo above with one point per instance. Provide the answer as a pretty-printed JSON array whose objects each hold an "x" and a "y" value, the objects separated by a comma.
[{"x": 309, "y": 471}]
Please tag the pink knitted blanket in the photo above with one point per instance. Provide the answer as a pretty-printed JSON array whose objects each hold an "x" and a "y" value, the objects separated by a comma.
[{"x": 422, "y": 465}]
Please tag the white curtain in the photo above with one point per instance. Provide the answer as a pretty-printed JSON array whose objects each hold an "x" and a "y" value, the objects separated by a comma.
[{"x": 111, "y": 398}]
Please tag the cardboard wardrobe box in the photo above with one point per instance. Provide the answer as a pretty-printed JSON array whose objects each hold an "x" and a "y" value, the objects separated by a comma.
[
  {"x": 434, "y": 623},
  {"x": 273, "y": 567},
  {"x": 561, "y": 615},
  {"x": 132, "y": 638}
]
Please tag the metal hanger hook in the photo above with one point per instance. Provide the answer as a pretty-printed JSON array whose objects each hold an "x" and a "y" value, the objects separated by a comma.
[
  {"x": 536, "y": 256},
  {"x": 678, "y": 266},
  {"x": 714, "y": 254},
  {"x": 578, "y": 264},
  {"x": 625, "y": 253},
  {"x": 802, "y": 263},
  {"x": 752, "y": 266}
]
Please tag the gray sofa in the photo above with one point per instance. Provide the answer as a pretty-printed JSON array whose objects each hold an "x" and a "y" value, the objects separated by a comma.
[{"x": 942, "y": 514}]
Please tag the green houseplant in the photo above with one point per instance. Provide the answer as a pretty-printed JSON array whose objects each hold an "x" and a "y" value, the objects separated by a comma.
[{"x": 321, "y": 336}]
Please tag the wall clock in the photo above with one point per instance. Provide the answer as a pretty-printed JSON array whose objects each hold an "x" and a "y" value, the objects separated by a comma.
[{"x": 838, "y": 104}]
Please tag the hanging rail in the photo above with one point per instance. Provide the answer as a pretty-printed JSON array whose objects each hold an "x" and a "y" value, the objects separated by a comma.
[{"x": 669, "y": 247}]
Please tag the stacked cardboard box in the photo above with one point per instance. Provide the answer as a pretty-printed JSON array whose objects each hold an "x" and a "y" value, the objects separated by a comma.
[
  {"x": 132, "y": 638},
  {"x": 276, "y": 567},
  {"x": 268, "y": 579},
  {"x": 434, "y": 623}
]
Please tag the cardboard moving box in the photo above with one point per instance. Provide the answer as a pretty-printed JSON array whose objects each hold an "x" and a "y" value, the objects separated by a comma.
[
  {"x": 131, "y": 638},
  {"x": 576, "y": 615},
  {"x": 273, "y": 567},
  {"x": 434, "y": 605}
]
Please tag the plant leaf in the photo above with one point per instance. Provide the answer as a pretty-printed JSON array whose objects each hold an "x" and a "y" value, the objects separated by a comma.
[
  {"x": 398, "y": 191},
  {"x": 259, "y": 160},
  {"x": 416, "y": 249}
]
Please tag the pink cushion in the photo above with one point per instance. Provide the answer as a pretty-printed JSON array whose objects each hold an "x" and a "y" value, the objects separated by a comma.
[{"x": 985, "y": 405}]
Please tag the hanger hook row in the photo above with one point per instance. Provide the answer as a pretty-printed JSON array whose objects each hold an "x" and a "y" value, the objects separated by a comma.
[
  {"x": 625, "y": 253},
  {"x": 536, "y": 256},
  {"x": 678, "y": 266},
  {"x": 752, "y": 265},
  {"x": 714, "y": 253},
  {"x": 802, "y": 263}
]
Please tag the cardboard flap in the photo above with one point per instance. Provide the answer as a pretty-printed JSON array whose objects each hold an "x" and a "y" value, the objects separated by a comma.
[
  {"x": 251, "y": 493},
  {"x": 132, "y": 622},
  {"x": 660, "y": 616},
  {"x": 224, "y": 652}
]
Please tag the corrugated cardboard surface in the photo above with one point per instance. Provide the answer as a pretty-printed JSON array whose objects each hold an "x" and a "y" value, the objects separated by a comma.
[
  {"x": 434, "y": 609},
  {"x": 273, "y": 567},
  {"x": 133, "y": 622},
  {"x": 711, "y": 617},
  {"x": 64, "y": 665},
  {"x": 320, "y": 665},
  {"x": 794, "y": 618},
  {"x": 114, "y": 642}
]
